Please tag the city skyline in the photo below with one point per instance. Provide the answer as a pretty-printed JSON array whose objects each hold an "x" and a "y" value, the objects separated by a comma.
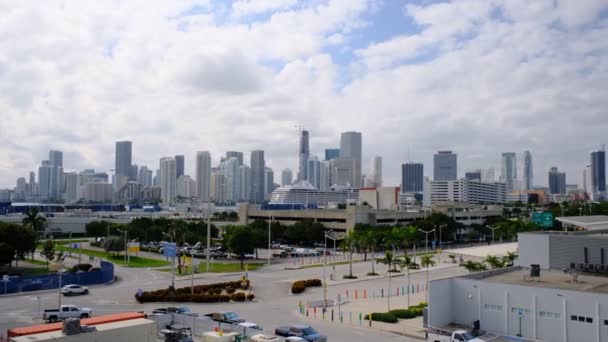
[{"x": 361, "y": 66}]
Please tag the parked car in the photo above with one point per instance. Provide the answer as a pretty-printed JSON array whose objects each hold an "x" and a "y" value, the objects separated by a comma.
[
  {"x": 66, "y": 311},
  {"x": 179, "y": 310},
  {"x": 199, "y": 253},
  {"x": 218, "y": 255},
  {"x": 72, "y": 289},
  {"x": 226, "y": 317},
  {"x": 303, "y": 331}
]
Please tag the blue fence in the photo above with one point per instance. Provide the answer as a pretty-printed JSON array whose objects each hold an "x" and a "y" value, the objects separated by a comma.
[{"x": 51, "y": 281}]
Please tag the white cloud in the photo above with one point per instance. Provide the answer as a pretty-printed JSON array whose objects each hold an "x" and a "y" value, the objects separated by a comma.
[
  {"x": 244, "y": 8},
  {"x": 479, "y": 77}
]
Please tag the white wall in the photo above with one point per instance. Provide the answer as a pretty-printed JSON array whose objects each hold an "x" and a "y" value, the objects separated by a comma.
[{"x": 533, "y": 248}]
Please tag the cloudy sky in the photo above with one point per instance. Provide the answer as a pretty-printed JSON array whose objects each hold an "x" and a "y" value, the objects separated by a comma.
[{"x": 477, "y": 77}]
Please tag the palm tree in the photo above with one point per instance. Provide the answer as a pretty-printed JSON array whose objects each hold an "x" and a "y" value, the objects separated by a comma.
[
  {"x": 373, "y": 237},
  {"x": 494, "y": 261},
  {"x": 473, "y": 266},
  {"x": 427, "y": 261},
  {"x": 34, "y": 220},
  {"x": 348, "y": 245},
  {"x": 509, "y": 258},
  {"x": 388, "y": 260},
  {"x": 408, "y": 264}
]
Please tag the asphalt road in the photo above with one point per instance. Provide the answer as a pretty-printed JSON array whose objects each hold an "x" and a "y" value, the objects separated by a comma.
[{"x": 275, "y": 306}]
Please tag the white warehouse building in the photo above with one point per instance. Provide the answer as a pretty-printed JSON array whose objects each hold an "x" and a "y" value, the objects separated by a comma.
[
  {"x": 552, "y": 302},
  {"x": 464, "y": 190}
]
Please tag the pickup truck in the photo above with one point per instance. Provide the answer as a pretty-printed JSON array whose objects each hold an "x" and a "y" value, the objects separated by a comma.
[
  {"x": 66, "y": 311},
  {"x": 455, "y": 336},
  {"x": 226, "y": 317},
  {"x": 303, "y": 331}
]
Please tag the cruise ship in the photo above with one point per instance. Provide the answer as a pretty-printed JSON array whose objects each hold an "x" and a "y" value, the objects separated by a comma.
[{"x": 303, "y": 193}]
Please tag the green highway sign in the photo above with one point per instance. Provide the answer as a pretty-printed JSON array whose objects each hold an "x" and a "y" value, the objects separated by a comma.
[{"x": 543, "y": 219}]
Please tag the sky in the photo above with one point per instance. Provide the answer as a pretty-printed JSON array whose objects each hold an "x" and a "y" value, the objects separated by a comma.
[{"x": 479, "y": 77}]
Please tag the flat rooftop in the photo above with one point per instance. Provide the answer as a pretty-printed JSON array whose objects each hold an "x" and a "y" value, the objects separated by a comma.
[
  {"x": 499, "y": 249},
  {"x": 588, "y": 222},
  {"x": 552, "y": 279}
]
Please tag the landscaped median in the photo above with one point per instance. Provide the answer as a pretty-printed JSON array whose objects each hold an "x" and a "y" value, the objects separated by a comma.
[
  {"x": 216, "y": 267},
  {"x": 301, "y": 285},
  {"x": 393, "y": 316},
  {"x": 235, "y": 291},
  {"x": 134, "y": 261}
]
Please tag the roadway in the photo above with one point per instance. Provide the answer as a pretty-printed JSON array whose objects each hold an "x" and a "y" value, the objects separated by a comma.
[{"x": 274, "y": 306}]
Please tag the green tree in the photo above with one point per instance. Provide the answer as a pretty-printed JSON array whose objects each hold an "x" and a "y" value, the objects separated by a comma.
[
  {"x": 34, "y": 220},
  {"x": 7, "y": 254},
  {"x": 240, "y": 242},
  {"x": 509, "y": 259},
  {"x": 48, "y": 250},
  {"x": 21, "y": 239},
  {"x": 407, "y": 263},
  {"x": 427, "y": 261},
  {"x": 349, "y": 244},
  {"x": 473, "y": 266},
  {"x": 114, "y": 245},
  {"x": 97, "y": 228},
  {"x": 494, "y": 261},
  {"x": 389, "y": 260}
]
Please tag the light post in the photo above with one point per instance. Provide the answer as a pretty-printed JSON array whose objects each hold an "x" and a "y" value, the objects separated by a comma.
[
  {"x": 427, "y": 254},
  {"x": 324, "y": 273},
  {"x": 60, "y": 271},
  {"x": 269, "y": 237},
  {"x": 208, "y": 250},
  {"x": 493, "y": 229},
  {"x": 441, "y": 226},
  {"x": 126, "y": 246},
  {"x": 172, "y": 260},
  {"x": 426, "y": 240}
]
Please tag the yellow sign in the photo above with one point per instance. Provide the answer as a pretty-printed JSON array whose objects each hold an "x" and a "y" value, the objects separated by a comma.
[{"x": 133, "y": 249}]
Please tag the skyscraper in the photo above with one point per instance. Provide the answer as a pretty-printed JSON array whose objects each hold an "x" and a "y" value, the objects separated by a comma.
[
  {"x": 325, "y": 176},
  {"x": 286, "y": 177},
  {"x": 332, "y": 153},
  {"x": 268, "y": 182},
  {"x": 598, "y": 174},
  {"x": 56, "y": 158},
  {"x": 186, "y": 186},
  {"x": 412, "y": 177},
  {"x": 229, "y": 168},
  {"x": 258, "y": 166},
  {"x": 235, "y": 154},
  {"x": 55, "y": 188},
  {"x": 351, "y": 148},
  {"x": 71, "y": 187},
  {"x": 313, "y": 171},
  {"x": 144, "y": 176},
  {"x": 557, "y": 181},
  {"x": 474, "y": 175},
  {"x": 345, "y": 172},
  {"x": 445, "y": 166},
  {"x": 179, "y": 166},
  {"x": 587, "y": 180},
  {"x": 528, "y": 171},
  {"x": 304, "y": 154},
  {"x": 509, "y": 170},
  {"x": 245, "y": 175},
  {"x": 376, "y": 171},
  {"x": 168, "y": 181},
  {"x": 203, "y": 174},
  {"x": 44, "y": 180},
  {"x": 123, "y": 159}
]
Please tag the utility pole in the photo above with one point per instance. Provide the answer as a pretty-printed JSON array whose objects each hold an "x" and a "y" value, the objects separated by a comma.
[
  {"x": 493, "y": 229},
  {"x": 208, "y": 250},
  {"x": 269, "y": 237}
]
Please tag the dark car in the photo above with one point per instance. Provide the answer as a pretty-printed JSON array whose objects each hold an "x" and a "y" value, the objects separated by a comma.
[
  {"x": 303, "y": 331},
  {"x": 226, "y": 317},
  {"x": 171, "y": 309}
]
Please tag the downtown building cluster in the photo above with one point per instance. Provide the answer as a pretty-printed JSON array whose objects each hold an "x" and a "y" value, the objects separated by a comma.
[{"x": 335, "y": 175}]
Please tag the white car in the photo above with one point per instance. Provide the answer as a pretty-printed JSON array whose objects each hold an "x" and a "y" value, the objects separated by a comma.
[
  {"x": 73, "y": 289},
  {"x": 249, "y": 325},
  {"x": 295, "y": 339}
]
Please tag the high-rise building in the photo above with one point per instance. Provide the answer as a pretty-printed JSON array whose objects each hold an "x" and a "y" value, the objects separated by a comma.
[
  {"x": 445, "y": 166},
  {"x": 376, "y": 172},
  {"x": 55, "y": 188},
  {"x": 528, "y": 175},
  {"x": 463, "y": 190},
  {"x": 509, "y": 170},
  {"x": 179, "y": 165},
  {"x": 20, "y": 190},
  {"x": 412, "y": 177},
  {"x": 156, "y": 180},
  {"x": 44, "y": 180},
  {"x": 235, "y": 154},
  {"x": 351, "y": 147},
  {"x": 144, "y": 176},
  {"x": 332, "y": 153},
  {"x": 123, "y": 160},
  {"x": 345, "y": 172},
  {"x": 232, "y": 178},
  {"x": 325, "y": 176},
  {"x": 71, "y": 187},
  {"x": 32, "y": 186},
  {"x": 587, "y": 186},
  {"x": 186, "y": 186},
  {"x": 487, "y": 175},
  {"x": 474, "y": 175},
  {"x": 168, "y": 181},
  {"x": 304, "y": 154},
  {"x": 258, "y": 166},
  {"x": 216, "y": 186},
  {"x": 98, "y": 192},
  {"x": 598, "y": 174},
  {"x": 203, "y": 175},
  {"x": 286, "y": 177},
  {"x": 557, "y": 181},
  {"x": 268, "y": 183},
  {"x": 314, "y": 171},
  {"x": 245, "y": 175}
]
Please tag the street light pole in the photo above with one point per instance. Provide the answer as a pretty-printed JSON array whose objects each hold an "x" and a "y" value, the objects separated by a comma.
[
  {"x": 269, "y": 237},
  {"x": 441, "y": 226},
  {"x": 126, "y": 247},
  {"x": 493, "y": 229},
  {"x": 426, "y": 239},
  {"x": 172, "y": 261},
  {"x": 324, "y": 273},
  {"x": 208, "y": 250}
]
